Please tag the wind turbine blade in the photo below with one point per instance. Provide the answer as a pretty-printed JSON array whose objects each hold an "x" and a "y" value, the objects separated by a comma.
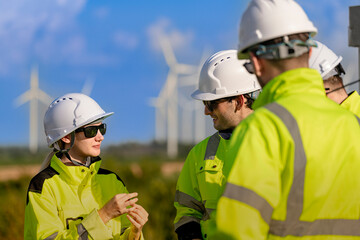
[
  {"x": 171, "y": 84},
  {"x": 184, "y": 103},
  {"x": 189, "y": 80},
  {"x": 205, "y": 55},
  {"x": 193, "y": 78},
  {"x": 185, "y": 69},
  {"x": 34, "y": 78},
  {"x": 23, "y": 98},
  {"x": 42, "y": 96},
  {"x": 167, "y": 51},
  {"x": 154, "y": 102},
  {"x": 163, "y": 91},
  {"x": 88, "y": 86}
]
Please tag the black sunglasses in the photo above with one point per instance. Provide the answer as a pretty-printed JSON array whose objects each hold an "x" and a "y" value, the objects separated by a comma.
[
  {"x": 211, "y": 105},
  {"x": 249, "y": 67},
  {"x": 91, "y": 131}
]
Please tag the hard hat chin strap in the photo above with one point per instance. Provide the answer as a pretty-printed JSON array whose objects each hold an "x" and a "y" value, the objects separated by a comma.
[
  {"x": 86, "y": 164},
  {"x": 60, "y": 152},
  {"x": 286, "y": 49}
]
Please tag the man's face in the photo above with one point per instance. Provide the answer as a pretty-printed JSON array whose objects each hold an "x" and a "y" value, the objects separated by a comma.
[
  {"x": 335, "y": 91},
  {"x": 223, "y": 113},
  {"x": 327, "y": 90}
]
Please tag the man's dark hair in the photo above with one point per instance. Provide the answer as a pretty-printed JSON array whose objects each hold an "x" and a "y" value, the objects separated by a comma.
[
  {"x": 335, "y": 81},
  {"x": 249, "y": 100}
]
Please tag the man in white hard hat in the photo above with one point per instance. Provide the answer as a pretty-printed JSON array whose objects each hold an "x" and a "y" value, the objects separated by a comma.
[
  {"x": 297, "y": 156},
  {"x": 226, "y": 89},
  {"x": 329, "y": 66}
]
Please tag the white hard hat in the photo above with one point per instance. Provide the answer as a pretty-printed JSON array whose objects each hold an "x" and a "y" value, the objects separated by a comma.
[
  {"x": 324, "y": 60},
  {"x": 223, "y": 75},
  {"x": 269, "y": 19},
  {"x": 68, "y": 113}
]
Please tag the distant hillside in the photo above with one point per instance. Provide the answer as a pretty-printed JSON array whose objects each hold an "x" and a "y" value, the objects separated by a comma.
[{"x": 131, "y": 151}]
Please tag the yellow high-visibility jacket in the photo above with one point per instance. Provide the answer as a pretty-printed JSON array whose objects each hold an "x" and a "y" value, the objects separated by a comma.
[
  {"x": 200, "y": 185},
  {"x": 352, "y": 103},
  {"x": 296, "y": 166},
  {"x": 63, "y": 203}
]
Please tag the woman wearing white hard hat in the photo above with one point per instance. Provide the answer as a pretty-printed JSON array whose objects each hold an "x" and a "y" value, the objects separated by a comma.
[{"x": 72, "y": 197}]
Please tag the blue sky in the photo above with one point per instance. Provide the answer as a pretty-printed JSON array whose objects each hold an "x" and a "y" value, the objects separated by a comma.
[{"x": 112, "y": 43}]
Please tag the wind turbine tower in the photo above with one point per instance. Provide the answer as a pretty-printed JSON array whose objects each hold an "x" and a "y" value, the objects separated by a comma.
[
  {"x": 171, "y": 92},
  {"x": 33, "y": 95},
  {"x": 193, "y": 106},
  {"x": 159, "y": 104}
]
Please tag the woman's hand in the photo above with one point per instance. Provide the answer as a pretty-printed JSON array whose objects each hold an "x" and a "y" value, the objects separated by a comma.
[
  {"x": 138, "y": 216},
  {"x": 118, "y": 205}
]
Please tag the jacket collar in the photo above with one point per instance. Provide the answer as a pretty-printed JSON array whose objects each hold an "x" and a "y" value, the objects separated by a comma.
[
  {"x": 293, "y": 82},
  {"x": 76, "y": 174},
  {"x": 226, "y": 134}
]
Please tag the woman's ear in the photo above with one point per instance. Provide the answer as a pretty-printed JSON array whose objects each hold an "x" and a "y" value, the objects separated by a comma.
[{"x": 66, "y": 139}]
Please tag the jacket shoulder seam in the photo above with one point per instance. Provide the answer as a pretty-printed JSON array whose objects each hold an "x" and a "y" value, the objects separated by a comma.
[{"x": 103, "y": 171}]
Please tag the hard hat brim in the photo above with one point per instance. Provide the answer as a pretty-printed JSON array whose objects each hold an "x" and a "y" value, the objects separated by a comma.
[{"x": 91, "y": 120}]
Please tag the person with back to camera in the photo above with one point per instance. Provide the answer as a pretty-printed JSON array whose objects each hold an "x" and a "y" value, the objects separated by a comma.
[
  {"x": 72, "y": 197},
  {"x": 297, "y": 156}
]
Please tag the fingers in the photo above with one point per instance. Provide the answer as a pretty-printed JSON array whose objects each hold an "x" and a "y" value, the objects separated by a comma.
[
  {"x": 125, "y": 196},
  {"x": 126, "y": 199},
  {"x": 131, "y": 202},
  {"x": 141, "y": 211},
  {"x": 137, "y": 225},
  {"x": 138, "y": 217}
]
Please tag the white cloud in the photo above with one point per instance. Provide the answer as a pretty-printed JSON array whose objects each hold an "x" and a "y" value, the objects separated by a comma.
[
  {"x": 24, "y": 25},
  {"x": 125, "y": 40},
  {"x": 163, "y": 27}
]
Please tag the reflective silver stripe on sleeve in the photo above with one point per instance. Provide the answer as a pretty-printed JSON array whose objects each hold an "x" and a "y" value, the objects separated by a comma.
[
  {"x": 212, "y": 147},
  {"x": 292, "y": 225},
  {"x": 82, "y": 232},
  {"x": 52, "y": 236},
  {"x": 342, "y": 227},
  {"x": 186, "y": 219},
  {"x": 189, "y": 201},
  {"x": 358, "y": 119},
  {"x": 250, "y": 198}
]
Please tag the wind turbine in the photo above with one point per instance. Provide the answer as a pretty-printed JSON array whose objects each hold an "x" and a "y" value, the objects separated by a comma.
[
  {"x": 88, "y": 86},
  {"x": 187, "y": 111},
  {"x": 33, "y": 95},
  {"x": 194, "y": 106},
  {"x": 170, "y": 90},
  {"x": 159, "y": 104}
]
